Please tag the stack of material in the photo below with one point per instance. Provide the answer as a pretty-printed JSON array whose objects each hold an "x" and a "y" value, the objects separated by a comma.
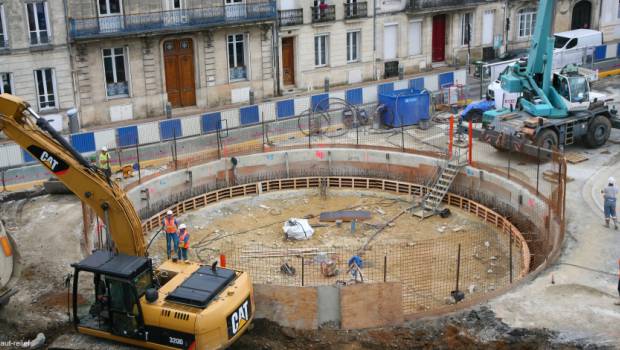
[{"x": 345, "y": 215}]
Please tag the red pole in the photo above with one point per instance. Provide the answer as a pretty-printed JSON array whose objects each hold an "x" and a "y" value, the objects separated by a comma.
[
  {"x": 222, "y": 260},
  {"x": 471, "y": 140},
  {"x": 451, "y": 135}
]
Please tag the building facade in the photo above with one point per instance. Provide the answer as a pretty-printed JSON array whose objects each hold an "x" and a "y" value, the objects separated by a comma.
[
  {"x": 610, "y": 20},
  {"x": 139, "y": 59},
  {"x": 34, "y": 55},
  {"x": 349, "y": 41}
]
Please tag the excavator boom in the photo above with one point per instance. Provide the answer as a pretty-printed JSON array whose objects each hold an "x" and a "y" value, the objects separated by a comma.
[{"x": 105, "y": 197}]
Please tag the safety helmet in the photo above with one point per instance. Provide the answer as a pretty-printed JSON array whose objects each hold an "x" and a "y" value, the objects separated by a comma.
[
  {"x": 169, "y": 212},
  {"x": 611, "y": 180},
  {"x": 182, "y": 226},
  {"x": 104, "y": 149}
]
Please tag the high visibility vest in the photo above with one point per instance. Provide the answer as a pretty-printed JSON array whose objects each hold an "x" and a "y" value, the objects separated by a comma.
[
  {"x": 104, "y": 160},
  {"x": 182, "y": 237},
  {"x": 170, "y": 225}
]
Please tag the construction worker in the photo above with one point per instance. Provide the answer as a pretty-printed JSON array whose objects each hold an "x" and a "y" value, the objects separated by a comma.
[
  {"x": 104, "y": 161},
  {"x": 183, "y": 242},
  {"x": 610, "y": 192},
  {"x": 170, "y": 225}
]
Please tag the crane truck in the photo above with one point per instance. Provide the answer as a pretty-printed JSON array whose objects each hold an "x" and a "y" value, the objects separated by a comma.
[
  {"x": 554, "y": 109},
  {"x": 173, "y": 306}
]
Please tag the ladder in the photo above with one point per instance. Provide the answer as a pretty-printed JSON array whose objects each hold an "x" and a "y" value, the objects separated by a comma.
[{"x": 433, "y": 198}]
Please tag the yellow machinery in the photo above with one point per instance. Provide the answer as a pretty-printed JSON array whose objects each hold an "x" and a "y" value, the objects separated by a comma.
[{"x": 175, "y": 306}]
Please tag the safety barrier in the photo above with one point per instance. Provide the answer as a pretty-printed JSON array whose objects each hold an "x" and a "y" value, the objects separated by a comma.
[{"x": 89, "y": 142}]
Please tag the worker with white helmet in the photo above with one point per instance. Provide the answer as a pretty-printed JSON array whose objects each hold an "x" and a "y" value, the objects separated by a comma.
[
  {"x": 183, "y": 242},
  {"x": 104, "y": 161},
  {"x": 610, "y": 192},
  {"x": 170, "y": 226}
]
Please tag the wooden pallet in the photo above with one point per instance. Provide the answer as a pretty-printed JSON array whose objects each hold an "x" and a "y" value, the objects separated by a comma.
[{"x": 575, "y": 158}]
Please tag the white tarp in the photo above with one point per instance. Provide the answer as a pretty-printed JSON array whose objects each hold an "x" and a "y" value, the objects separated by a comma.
[{"x": 298, "y": 229}]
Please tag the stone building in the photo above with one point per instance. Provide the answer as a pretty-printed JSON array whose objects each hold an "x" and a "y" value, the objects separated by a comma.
[
  {"x": 610, "y": 20},
  {"x": 348, "y": 41},
  {"x": 134, "y": 59},
  {"x": 34, "y": 55}
]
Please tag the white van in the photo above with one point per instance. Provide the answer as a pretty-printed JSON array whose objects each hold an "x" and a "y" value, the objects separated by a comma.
[{"x": 574, "y": 46}]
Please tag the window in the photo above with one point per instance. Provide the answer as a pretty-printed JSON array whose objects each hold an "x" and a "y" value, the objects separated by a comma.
[
  {"x": 618, "y": 8},
  {"x": 38, "y": 23},
  {"x": 415, "y": 38},
  {"x": 109, "y": 7},
  {"x": 115, "y": 69},
  {"x": 467, "y": 28},
  {"x": 3, "y": 37},
  {"x": 321, "y": 50},
  {"x": 236, "y": 57},
  {"x": 46, "y": 88},
  {"x": 6, "y": 84},
  {"x": 353, "y": 46},
  {"x": 527, "y": 22}
]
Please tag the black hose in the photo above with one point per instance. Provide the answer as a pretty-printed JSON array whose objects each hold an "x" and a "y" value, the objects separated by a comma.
[{"x": 153, "y": 238}]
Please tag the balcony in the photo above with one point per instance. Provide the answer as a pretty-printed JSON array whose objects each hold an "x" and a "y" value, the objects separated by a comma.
[
  {"x": 355, "y": 10},
  {"x": 325, "y": 13},
  {"x": 175, "y": 20},
  {"x": 290, "y": 17},
  {"x": 422, "y": 6}
]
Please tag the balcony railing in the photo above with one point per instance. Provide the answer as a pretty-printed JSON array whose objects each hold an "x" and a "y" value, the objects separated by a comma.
[
  {"x": 218, "y": 15},
  {"x": 355, "y": 10},
  {"x": 433, "y": 4},
  {"x": 325, "y": 13},
  {"x": 290, "y": 17}
]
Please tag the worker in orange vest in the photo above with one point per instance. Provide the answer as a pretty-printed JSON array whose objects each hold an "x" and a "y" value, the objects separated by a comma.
[
  {"x": 183, "y": 242},
  {"x": 170, "y": 226}
]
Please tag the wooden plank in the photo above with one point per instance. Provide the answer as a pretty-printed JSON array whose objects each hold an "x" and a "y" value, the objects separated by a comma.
[
  {"x": 575, "y": 158},
  {"x": 345, "y": 215}
]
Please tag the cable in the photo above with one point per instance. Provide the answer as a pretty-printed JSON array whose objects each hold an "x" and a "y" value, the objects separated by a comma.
[{"x": 587, "y": 268}]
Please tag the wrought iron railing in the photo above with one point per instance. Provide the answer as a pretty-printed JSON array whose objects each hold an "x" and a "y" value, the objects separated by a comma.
[
  {"x": 430, "y": 4},
  {"x": 217, "y": 15},
  {"x": 355, "y": 10},
  {"x": 290, "y": 17},
  {"x": 323, "y": 13}
]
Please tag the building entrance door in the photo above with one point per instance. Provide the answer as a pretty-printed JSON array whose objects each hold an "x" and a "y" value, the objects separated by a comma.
[
  {"x": 179, "y": 67},
  {"x": 582, "y": 14},
  {"x": 288, "y": 61},
  {"x": 439, "y": 38}
]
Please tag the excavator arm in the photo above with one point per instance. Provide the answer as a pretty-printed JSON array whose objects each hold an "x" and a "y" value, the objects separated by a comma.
[{"x": 105, "y": 197}]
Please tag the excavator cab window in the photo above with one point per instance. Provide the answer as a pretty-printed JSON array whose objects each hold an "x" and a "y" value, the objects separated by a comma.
[
  {"x": 125, "y": 312},
  {"x": 579, "y": 89}
]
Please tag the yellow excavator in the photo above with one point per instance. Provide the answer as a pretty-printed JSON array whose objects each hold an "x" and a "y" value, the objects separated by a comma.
[{"x": 174, "y": 306}]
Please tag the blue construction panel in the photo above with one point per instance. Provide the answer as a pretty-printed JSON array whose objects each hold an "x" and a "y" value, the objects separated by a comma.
[
  {"x": 319, "y": 102},
  {"x": 387, "y": 87},
  {"x": 84, "y": 142},
  {"x": 600, "y": 52},
  {"x": 354, "y": 96},
  {"x": 618, "y": 51},
  {"x": 127, "y": 136},
  {"x": 285, "y": 109},
  {"x": 27, "y": 157},
  {"x": 248, "y": 115},
  {"x": 169, "y": 129},
  {"x": 211, "y": 122},
  {"x": 417, "y": 83},
  {"x": 446, "y": 79}
]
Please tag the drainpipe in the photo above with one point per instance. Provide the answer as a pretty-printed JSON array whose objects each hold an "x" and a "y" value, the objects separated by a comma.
[
  {"x": 275, "y": 39},
  {"x": 374, "y": 39},
  {"x": 74, "y": 76}
]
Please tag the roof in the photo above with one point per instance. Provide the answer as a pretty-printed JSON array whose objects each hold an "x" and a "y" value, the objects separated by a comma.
[
  {"x": 578, "y": 33},
  {"x": 202, "y": 286},
  {"x": 117, "y": 265}
]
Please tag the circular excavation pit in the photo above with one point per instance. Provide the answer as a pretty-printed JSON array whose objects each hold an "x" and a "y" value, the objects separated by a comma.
[{"x": 468, "y": 251}]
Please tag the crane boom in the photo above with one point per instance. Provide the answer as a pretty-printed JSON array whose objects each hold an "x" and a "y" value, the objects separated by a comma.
[{"x": 89, "y": 183}]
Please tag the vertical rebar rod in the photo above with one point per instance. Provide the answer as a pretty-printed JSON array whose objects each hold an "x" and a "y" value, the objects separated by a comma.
[
  {"x": 509, "y": 153},
  {"x": 458, "y": 267},
  {"x": 174, "y": 152},
  {"x": 537, "y": 168},
  {"x": 385, "y": 268},
  {"x": 138, "y": 162},
  {"x": 510, "y": 253},
  {"x": 263, "y": 126},
  {"x": 302, "y": 271}
]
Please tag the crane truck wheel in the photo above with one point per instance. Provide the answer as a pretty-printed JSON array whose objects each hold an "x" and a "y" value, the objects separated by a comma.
[
  {"x": 547, "y": 138},
  {"x": 598, "y": 132}
]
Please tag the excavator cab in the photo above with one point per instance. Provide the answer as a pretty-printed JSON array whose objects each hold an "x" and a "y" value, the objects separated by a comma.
[{"x": 112, "y": 285}]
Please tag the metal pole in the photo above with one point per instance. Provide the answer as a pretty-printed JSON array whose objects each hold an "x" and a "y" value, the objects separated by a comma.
[
  {"x": 262, "y": 115},
  {"x": 402, "y": 136},
  {"x": 509, "y": 153},
  {"x": 302, "y": 271},
  {"x": 138, "y": 162},
  {"x": 219, "y": 143},
  {"x": 451, "y": 136},
  {"x": 537, "y": 168},
  {"x": 470, "y": 142},
  {"x": 357, "y": 133},
  {"x": 458, "y": 267},
  {"x": 310, "y": 130},
  {"x": 3, "y": 182},
  {"x": 385, "y": 268},
  {"x": 510, "y": 253},
  {"x": 174, "y": 153}
]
